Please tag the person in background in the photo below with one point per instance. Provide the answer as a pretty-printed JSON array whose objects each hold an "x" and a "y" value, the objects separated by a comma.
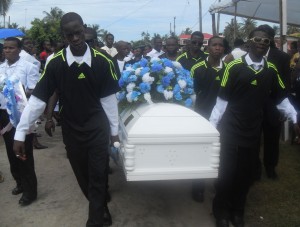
[
  {"x": 122, "y": 48},
  {"x": 207, "y": 76},
  {"x": 23, "y": 172},
  {"x": 237, "y": 52},
  {"x": 86, "y": 82},
  {"x": 273, "y": 119},
  {"x": 109, "y": 40},
  {"x": 157, "y": 48},
  {"x": 46, "y": 51},
  {"x": 171, "y": 50},
  {"x": 26, "y": 54},
  {"x": 296, "y": 56},
  {"x": 246, "y": 85},
  {"x": 147, "y": 49},
  {"x": 194, "y": 54}
]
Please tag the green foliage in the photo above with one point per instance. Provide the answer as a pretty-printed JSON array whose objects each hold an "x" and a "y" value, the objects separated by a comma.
[
  {"x": 187, "y": 31},
  {"x": 48, "y": 28}
]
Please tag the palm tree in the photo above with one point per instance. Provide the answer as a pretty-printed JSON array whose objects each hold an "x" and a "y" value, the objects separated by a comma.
[
  {"x": 187, "y": 31},
  {"x": 248, "y": 25},
  {"x": 55, "y": 14},
  {"x": 232, "y": 31},
  {"x": 4, "y": 7},
  {"x": 101, "y": 33}
]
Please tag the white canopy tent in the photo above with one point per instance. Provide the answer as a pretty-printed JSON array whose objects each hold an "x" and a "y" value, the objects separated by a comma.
[
  {"x": 266, "y": 10},
  {"x": 284, "y": 12}
]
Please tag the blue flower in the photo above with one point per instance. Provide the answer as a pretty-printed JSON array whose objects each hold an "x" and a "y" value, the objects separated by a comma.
[
  {"x": 135, "y": 95},
  {"x": 178, "y": 96},
  {"x": 160, "y": 88},
  {"x": 143, "y": 62},
  {"x": 188, "y": 91},
  {"x": 145, "y": 70},
  {"x": 131, "y": 78},
  {"x": 167, "y": 62},
  {"x": 121, "y": 82},
  {"x": 144, "y": 87},
  {"x": 156, "y": 67},
  {"x": 121, "y": 95},
  {"x": 166, "y": 81},
  {"x": 176, "y": 89},
  {"x": 188, "y": 102}
]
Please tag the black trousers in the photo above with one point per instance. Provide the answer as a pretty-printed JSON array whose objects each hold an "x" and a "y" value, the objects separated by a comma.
[
  {"x": 271, "y": 143},
  {"x": 90, "y": 168},
  {"x": 22, "y": 171},
  {"x": 236, "y": 175}
]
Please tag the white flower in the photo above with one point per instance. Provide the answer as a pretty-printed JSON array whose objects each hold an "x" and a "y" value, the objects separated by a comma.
[
  {"x": 155, "y": 59},
  {"x": 128, "y": 96},
  {"x": 168, "y": 94},
  {"x": 129, "y": 68},
  {"x": 168, "y": 70},
  {"x": 147, "y": 78},
  {"x": 130, "y": 87},
  {"x": 138, "y": 71},
  {"x": 182, "y": 84},
  {"x": 177, "y": 65},
  {"x": 147, "y": 97},
  {"x": 127, "y": 59}
]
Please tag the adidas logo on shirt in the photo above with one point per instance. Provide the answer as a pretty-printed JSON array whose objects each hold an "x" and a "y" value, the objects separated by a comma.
[
  {"x": 81, "y": 76},
  {"x": 254, "y": 82}
]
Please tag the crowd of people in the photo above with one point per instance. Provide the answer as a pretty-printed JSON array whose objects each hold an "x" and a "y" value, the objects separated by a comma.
[{"x": 244, "y": 93}]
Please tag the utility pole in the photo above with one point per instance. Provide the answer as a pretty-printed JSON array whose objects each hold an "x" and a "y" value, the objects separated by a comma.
[
  {"x": 170, "y": 28},
  {"x": 174, "y": 25},
  {"x": 200, "y": 15}
]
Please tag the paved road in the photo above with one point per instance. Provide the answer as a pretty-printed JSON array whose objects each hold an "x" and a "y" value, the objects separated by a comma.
[{"x": 60, "y": 202}]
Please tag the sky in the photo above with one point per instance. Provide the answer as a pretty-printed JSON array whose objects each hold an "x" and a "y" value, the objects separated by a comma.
[{"x": 126, "y": 19}]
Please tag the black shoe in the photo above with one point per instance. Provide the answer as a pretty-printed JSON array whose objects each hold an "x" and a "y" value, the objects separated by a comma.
[
  {"x": 198, "y": 196},
  {"x": 106, "y": 217},
  {"x": 271, "y": 173},
  {"x": 237, "y": 221},
  {"x": 25, "y": 201},
  {"x": 108, "y": 197},
  {"x": 39, "y": 146},
  {"x": 222, "y": 223},
  {"x": 17, "y": 190}
]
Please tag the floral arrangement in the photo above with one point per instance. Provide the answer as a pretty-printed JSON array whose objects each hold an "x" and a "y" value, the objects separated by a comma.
[
  {"x": 157, "y": 80},
  {"x": 15, "y": 97}
]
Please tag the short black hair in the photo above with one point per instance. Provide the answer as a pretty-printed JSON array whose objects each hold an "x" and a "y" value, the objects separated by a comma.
[
  {"x": 214, "y": 37},
  {"x": 109, "y": 34},
  {"x": 92, "y": 31},
  {"x": 68, "y": 17},
  {"x": 268, "y": 29},
  {"x": 197, "y": 33},
  {"x": 24, "y": 39},
  {"x": 14, "y": 39},
  {"x": 258, "y": 29}
]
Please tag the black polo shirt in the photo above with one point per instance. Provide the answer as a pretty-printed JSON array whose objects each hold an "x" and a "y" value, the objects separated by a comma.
[
  {"x": 207, "y": 81},
  {"x": 80, "y": 88},
  {"x": 246, "y": 91},
  {"x": 187, "y": 61}
]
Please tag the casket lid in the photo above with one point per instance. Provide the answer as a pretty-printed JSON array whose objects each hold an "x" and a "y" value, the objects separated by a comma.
[{"x": 165, "y": 120}]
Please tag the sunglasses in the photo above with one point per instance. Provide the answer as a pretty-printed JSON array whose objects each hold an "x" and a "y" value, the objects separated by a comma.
[
  {"x": 266, "y": 41},
  {"x": 197, "y": 43}
]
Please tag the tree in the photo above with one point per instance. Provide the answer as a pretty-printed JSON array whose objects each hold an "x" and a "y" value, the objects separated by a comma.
[
  {"x": 47, "y": 28},
  {"x": 292, "y": 30},
  {"x": 101, "y": 33},
  {"x": 54, "y": 15},
  {"x": 13, "y": 25},
  {"x": 229, "y": 32},
  {"x": 187, "y": 31},
  {"x": 4, "y": 7},
  {"x": 247, "y": 26}
]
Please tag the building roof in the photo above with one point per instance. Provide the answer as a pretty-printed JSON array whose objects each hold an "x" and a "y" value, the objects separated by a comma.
[{"x": 206, "y": 36}]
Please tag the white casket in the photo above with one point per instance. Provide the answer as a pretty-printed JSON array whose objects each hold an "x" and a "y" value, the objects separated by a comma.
[{"x": 167, "y": 141}]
